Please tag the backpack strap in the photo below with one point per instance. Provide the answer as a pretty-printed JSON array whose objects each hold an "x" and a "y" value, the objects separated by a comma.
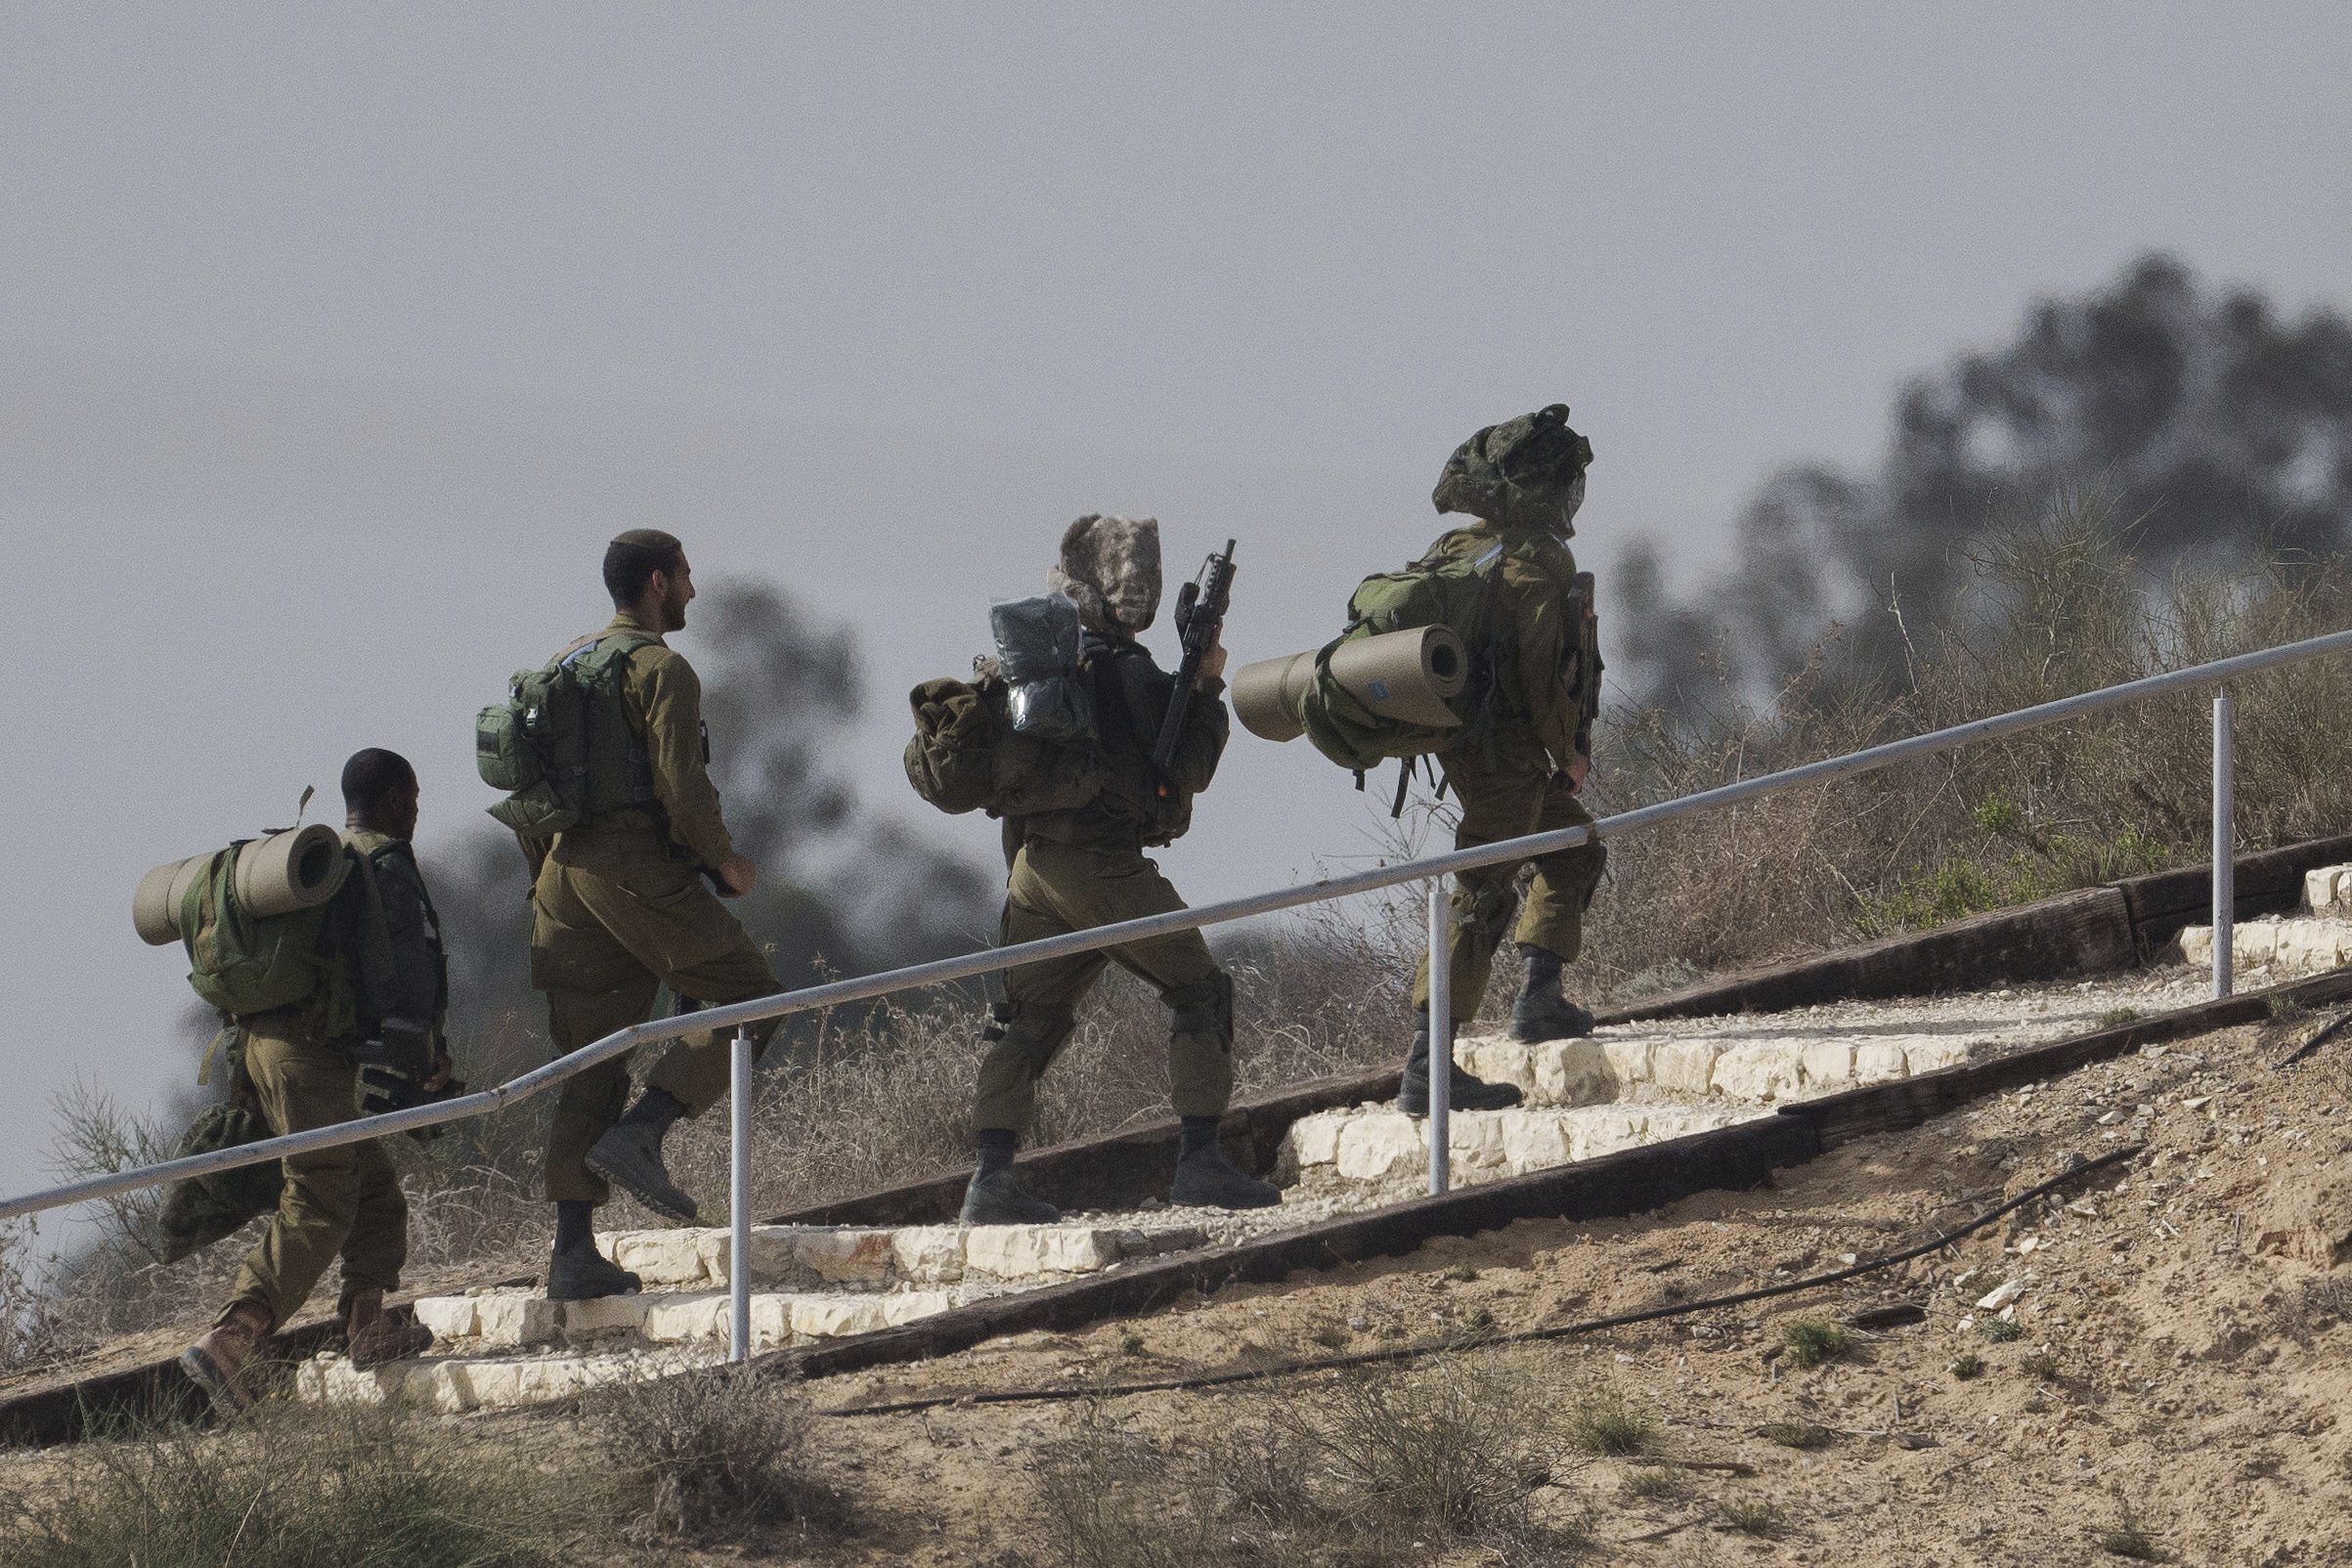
[{"x": 377, "y": 967}]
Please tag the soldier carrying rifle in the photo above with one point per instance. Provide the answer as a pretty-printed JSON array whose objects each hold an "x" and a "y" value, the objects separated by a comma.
[{"x": 1157, "y": 740}]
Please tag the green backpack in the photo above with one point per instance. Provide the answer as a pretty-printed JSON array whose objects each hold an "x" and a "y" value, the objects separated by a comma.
[
  {"x": 1458, "y": 591},
  {"x": 560, "y": 744},
  {"x": 967, "y": 756},
  {"x": 199, "y": 1210},
  {"x": 242, "y": 964}
]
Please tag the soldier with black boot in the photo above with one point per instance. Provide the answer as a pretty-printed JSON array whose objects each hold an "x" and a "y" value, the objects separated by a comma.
[
  {"x": 1076, "y": 869},
  {"x": 620, "y": 909},
  {"x": 299, "y": 1072},
  {"x": 1522, "y": 482}
]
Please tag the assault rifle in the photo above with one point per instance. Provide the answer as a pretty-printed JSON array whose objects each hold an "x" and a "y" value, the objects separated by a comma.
[
  {"x": 1587, "y": 612},
  {"x": 1200, "y": 607}
]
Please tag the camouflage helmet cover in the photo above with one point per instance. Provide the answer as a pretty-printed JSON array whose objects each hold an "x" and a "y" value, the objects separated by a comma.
[{"x": 1516, "y": 473}]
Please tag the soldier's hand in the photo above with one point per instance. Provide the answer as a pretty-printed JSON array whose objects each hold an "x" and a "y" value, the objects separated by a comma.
[
  {"x": 737, "y": 877},
  {"x": 1212, "y": 663},
  {"x": 1579, "y": 766},
  {"x": 443, "y": 1067}
]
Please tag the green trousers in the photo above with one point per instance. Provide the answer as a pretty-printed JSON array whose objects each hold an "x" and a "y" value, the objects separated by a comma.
[
  {"x": 612, "y": 918},
  {"x": 1518, "y": 796},
  {"x": 334, "y": 1201},
  {"x": 1057, "y": 887}
]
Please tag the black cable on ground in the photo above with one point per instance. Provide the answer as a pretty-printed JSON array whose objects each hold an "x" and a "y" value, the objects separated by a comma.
[{"x": 1376, "y": 1358}]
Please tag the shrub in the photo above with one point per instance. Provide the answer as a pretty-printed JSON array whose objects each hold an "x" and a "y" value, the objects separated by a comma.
[
  {"x": 714, "y": 1453},
  {"x": 301, "y": 1486},
  {"x": 1968, "y": 1364},
  {"x": 1602, "y": 1421},
  {"x": 1812, "y": 1343}
]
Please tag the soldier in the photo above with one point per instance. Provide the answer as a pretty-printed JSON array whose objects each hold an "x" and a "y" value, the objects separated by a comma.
[
  {"x": 343, "y": 1201},
  {"x": 619, "y": 909},
  {"x": 1522, "y": 481},
  {"x": 1076, "y": 869}
]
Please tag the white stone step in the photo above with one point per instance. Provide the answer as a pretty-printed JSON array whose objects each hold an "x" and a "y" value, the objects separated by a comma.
[
  {"x": 510, "y": 1319},
  {"x": 2326, "y": 892},
  {"x": 1615, "y": 1066},
  {"x": 816, "y": 1257},
  {"x": 2284, "y": 947},
  {"x": 454, "y": 1385},
  {"x": 1380, "y": 1145}
]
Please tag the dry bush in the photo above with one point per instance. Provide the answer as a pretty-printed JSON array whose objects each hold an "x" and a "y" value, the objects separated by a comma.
[
  {"x": 2054, "y": 605},
  {"x": 299, "y": 1486},
  {"x": 717, "y": 1453},
  {"x": 1386, "y": 1468}
]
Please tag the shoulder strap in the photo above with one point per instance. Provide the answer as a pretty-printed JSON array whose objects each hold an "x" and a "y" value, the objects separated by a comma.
[{"x": 375, "y": 932}]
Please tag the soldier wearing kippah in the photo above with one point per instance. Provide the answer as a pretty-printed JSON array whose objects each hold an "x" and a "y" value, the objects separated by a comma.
[
  {"x": 1521, "y": 482},
  {"x": 619, "y": 909}
]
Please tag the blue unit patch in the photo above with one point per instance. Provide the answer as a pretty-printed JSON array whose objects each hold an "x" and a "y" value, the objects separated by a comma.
[{"x": 1380, "y": 690}]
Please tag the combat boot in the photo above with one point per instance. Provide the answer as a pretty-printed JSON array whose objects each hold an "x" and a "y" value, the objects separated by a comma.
[
  {"x": 1464, "y": 1091},
  {"x": 1540, "y": 1012},
  {"x": 372, "y": 1337},
  {"x": 1207, "y": 1179},
  {"x": 629, "y": 1157},
  {"x": 583, "y": 1274},
  {"x": 994, "y": 1198},
  {"x": 216, "y": 1363}
]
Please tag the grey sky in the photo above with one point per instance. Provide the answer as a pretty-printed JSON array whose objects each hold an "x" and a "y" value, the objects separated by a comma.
[{"x": 333, "y": 343}]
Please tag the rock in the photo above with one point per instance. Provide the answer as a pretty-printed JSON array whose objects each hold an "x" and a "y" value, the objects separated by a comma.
[
  {"x": 932, "y": 1254},
  {"x": 845, "y": 1256},
  {"x": 449, "y": 1316},
  {"x": 658, "y": 1257},
  {"x": 774, "y": 1252},
  {"x": 1686, "y": 1066},
  {"x": 514, "y": 1319},
  {"x": 1760, "y": 1074},
  {"x": 2001, "y": 1295},
  {"x": 606, "y": 1315},
  {"x": 1014, "y": 1252},
  {"x": 1314, "y": 1140},
  {"x": 1371, "y": 1145},
  {"x": 2111, "y": 1118}
]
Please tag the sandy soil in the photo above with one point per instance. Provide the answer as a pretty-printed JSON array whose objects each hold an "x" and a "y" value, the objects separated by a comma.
[{"x": 2196, "y": 1367}]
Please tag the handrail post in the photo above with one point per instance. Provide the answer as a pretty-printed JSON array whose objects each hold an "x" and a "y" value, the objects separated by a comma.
[
  {"x": 2224, "y": 850},
  {"x": 1441, "y": 1040},
  {"x": 739, "y": 1199}
]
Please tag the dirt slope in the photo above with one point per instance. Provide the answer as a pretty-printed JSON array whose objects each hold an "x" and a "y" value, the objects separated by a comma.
[{"x": 2181, "y": 1352}]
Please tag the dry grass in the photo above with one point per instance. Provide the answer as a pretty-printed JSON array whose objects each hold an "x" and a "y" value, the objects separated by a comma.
[
  {"x": 302, "y": 1486},
  {"x": 713, "y": 1454},
  {"x": 1392, "y": 1468}
]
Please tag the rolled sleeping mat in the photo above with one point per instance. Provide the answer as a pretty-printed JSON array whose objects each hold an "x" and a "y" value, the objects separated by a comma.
[
  {"x": 1266, "y": 695},
  {"x": 290, "y": 870},
  {"x": 1405, "y": 676},
  {"x": 156, "y": 906}
]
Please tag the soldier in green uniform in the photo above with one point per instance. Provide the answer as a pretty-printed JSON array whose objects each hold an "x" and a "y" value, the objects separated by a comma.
[
  {"x": 619, "y": 909},
  {"x": 1077, "y": 869},
  {"x": 340, "y": 1202},
  {"x": 1522, "y": 482}
]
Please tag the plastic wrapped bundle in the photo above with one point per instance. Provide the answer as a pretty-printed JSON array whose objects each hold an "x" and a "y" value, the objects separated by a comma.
[{"x": 1038, "y": 650}]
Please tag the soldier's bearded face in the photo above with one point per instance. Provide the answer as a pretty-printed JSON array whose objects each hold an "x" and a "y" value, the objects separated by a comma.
[{"x": 681, "y": 594}]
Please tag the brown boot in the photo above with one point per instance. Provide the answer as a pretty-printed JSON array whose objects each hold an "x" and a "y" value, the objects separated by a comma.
[
  {"x": 216, "y": 1363},
  {"x": 371, "y": 1338}
]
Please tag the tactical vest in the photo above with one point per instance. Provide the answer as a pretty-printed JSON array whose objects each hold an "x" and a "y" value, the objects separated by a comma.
[{"x": 561, "y": 745}]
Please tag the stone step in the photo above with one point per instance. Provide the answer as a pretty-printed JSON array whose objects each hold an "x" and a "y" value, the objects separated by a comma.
[
  {"x": 1379, "y": 1145},
  {"x": 818, "y": 1258},
  {"x": 2287, "y": 948},
  {"x": 1616, "y": 1066},
  {"x": 452, "y": 1386},
  {"x": 512, "y": 1320},
  {"x": 2327, "y": 890}
]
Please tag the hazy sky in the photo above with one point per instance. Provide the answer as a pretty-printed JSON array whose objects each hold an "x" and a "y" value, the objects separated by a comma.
[{"x": 335, "y": 341}]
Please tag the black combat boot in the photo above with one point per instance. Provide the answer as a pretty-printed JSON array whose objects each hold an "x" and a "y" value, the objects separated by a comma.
[
  {"x": 1464, "y": 1091},
  {"x": 578, "y": 1272},
  {"x": 1540, "y": 1012},
  {"x": 629, "y": 1157},
  {"x": 1207, "y": 1179},
  {"x": 994, "y": 1198}
]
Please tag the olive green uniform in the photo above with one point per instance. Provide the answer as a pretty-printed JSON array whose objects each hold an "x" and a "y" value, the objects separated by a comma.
[
  {"x": 1077, "y": 870},
  {"x": 619, "y": 909},
  {"x": 1510, "y": 783},
  {"x": 341, "y": 1202}
]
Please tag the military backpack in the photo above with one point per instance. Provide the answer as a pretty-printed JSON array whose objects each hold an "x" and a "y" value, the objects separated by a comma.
[
  {"x": 332, "y": 953},
  {"x": 967, "y": 755},
  {"x": 560, "y": 744}
]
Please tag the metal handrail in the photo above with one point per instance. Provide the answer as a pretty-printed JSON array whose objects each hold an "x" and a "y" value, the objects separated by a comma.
[{"x": 938, "y": 971}]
